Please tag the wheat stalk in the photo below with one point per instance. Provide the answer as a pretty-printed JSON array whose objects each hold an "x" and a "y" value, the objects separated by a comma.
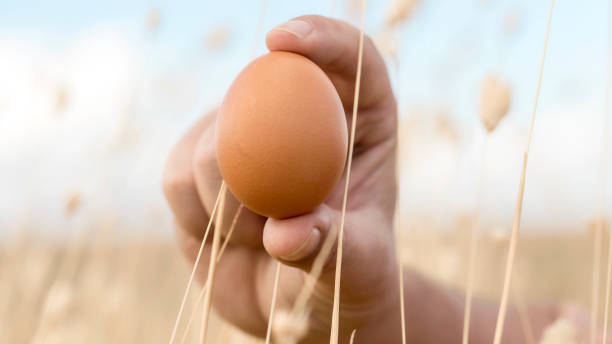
[
  {"x": 195, "y": 264},
  {"x": 212, "y": 267},
  {"x": 398, "y": 208},
  {"x": 523, "y": 314},
  {"x": 273, "y": 303},
  {"x": 595, "y": 281},
  {"x": 336, "y": 307},
  {"x": 604, "y": 166},
  {"x": 473, "y": 246},
  {"x": 203, "y": 291},
  {"x": 230, "y": 232},
  {"x": 519, "y": 202}
]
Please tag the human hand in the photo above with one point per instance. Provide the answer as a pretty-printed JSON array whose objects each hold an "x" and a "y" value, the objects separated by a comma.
[{"x": 245, "y": 274}]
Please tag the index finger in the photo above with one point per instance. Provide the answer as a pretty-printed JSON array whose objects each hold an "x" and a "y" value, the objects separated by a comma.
[{"x": 334, "y": 46}]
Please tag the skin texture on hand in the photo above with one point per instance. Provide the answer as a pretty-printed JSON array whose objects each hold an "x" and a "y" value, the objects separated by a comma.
[
  {"x": 369, "y": 287},
  {"x": 245, "y": 274}
]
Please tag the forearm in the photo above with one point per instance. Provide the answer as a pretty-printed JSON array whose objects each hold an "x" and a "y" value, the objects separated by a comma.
[{"x": 435, "y": 315}]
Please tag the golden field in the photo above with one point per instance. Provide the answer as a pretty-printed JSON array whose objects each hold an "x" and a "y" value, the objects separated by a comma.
[{"x": 128, "y": 292}]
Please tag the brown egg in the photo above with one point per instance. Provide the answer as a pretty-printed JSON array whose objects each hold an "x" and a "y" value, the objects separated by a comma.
[{"x": 281, "y": 136}]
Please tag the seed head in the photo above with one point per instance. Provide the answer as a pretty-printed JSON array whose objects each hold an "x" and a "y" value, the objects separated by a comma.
[
  {"x": 217, "y": 38},
  {"x": 290, "y": 327},
  {"x": 400, "y": 11},
  {"x": 561, "y": 331},
  {"x": 494, "y": 101}
]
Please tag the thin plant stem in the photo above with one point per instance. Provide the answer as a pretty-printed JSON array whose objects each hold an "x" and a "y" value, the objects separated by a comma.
[
  {"x": 401, "y": 291},
  {"x": 273, "y": 303},
  {"x": 398, "y": 209},
  {"x": 336, "y": 306},
  {"x": 195, "y": 265},
  {"x": 192, "y": 316},
  {"x": 501, "y": 317},
  {"x": 595, "y": 278},
  {"x": 317, "y": 267},
  {"x": 601, "y": 223},
  {"x": 230, "y": 232},
  {"x": 212, "y": 267},
  {"x": 259, "y": 29},
  {"x": 523, "y": 315},
  {"x": 201, "y": 295},
  {"x": 469, "y": 292}
]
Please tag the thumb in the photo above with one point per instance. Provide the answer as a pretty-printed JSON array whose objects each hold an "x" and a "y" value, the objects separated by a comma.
[{"x": 296, "y": 241}]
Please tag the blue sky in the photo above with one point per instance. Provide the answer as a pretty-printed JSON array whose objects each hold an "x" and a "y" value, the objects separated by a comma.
[
  {"x": 464, "y": 37},
  {"x": 104, "y": 55}
]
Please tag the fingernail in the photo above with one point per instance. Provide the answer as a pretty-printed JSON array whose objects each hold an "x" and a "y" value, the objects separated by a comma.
[
  {"x": 311, "y": 242},
  {"x": 298, "y": 28}
]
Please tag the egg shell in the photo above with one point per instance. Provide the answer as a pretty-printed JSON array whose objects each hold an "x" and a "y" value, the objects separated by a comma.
[{"x": 281, "y": 136}]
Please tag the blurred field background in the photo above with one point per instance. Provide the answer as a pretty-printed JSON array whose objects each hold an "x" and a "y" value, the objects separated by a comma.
[{"x": 94, "y": 94}]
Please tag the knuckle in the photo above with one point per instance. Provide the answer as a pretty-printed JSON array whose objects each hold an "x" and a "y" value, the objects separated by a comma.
[
  {"x": 176, "y": 181},
  {"x": 205, "y": 158}
]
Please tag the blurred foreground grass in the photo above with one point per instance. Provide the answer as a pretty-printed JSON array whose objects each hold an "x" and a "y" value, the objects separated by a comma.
[{"x": 129, "y": 292}]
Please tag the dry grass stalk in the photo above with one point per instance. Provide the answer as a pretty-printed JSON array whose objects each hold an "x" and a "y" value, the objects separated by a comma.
[
  {"x": 398, "y": 208},
  {"x": 400, "y": 11},
  {"x": 336, "y": 307},
  {"x": 58, "y": 304},
  {"x": 301, "y": 301},
  {"x": 595, "y": 279},
  {"x": 495, "y": 97},
  {"x": 192, "y": 317},
  {"x": 501, "y": 317},
  {"x": 401, "y": 291},
  {"x": 387, "y": 45},
  {"x": 299, "y": 314},
  {"x": 230, "y": 232},
  {"x": 66, "y": 267},
  {"x": 203, "y": 290},
  {"x": 398, "y": 237},
  {"x": 523, "y": 314},
  {"x": 195, "y": 264},
  {"x": 332, "y": 11},
  {"x": 561, "y": 331},
  {"x": 212, "y": 266},
  {"x": 473, "y": 247},
  {"x": 260, "y": 25},
  {"x": 273, "y": 303},
  {"x": 290, "y": 327},
  {"x": 601, "y": 224}
]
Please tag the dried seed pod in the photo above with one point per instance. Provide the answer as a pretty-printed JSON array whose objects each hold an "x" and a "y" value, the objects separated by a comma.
[
  {"x": 217, "y": 38},
  {"x": 73, "y": 201},
  {"x": 511, "y": 22},
  {"x": 387, "y": 45},
  {"x": 499, "y": 236},
  {"x": 400, "y": 11},
  {"x": 290, "y": 327},
  {"x": 61, "y": 98},
  {"x": 561, "y": 331},
  {"x": 153, "y": 19},
  {"x": 494, "y": 101}
]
